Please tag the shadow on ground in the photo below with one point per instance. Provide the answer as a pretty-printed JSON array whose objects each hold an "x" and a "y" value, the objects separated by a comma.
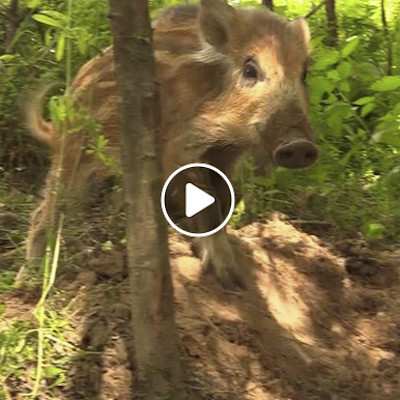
[{"x": 303, "y": 329}]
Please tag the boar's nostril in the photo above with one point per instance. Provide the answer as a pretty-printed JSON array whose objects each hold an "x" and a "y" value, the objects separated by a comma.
[
  {"x": 286, "y": 154},
  {"x": 310, "y": 155},
  {"x": 297, "y": 154}
]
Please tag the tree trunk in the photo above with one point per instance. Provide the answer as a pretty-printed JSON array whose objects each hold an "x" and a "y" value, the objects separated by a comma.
[
  {"x": 13, "y": 21},
  {"x": 330, "y": 7},
  {"x": 157, "y": 361},
  {"x": 388, "y": 40},
  {"x": 269, "y": 4}
]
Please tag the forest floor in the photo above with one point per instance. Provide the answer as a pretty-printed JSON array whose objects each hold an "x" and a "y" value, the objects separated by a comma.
[{"x": 318, "y": 319}]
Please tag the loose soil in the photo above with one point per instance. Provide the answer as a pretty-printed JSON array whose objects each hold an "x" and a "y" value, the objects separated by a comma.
[{"x": 316, "y": 321}]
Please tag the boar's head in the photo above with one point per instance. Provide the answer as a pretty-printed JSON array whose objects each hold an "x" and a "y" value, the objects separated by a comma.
[{"x": 252, "y": 69}]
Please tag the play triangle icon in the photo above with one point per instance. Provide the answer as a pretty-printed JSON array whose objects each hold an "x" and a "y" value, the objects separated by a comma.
[{"x": 196, "y": 200}]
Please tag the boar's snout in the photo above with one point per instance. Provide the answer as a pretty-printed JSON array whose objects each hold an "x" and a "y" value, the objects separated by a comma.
[{"x": 299, "y": 153}]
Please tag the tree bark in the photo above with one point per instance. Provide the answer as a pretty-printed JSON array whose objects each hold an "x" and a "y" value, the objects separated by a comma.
[
  {"x": 13, "y": 21},
  {"x": 388, "y": 39},
  {"x": 330, "y": 7},
  {"x": 269, "y": 4},
  {"x": 156, "y": 353}
]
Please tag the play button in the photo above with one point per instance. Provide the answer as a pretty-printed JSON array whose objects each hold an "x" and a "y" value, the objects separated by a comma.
[{"x": 197, "y": 200}]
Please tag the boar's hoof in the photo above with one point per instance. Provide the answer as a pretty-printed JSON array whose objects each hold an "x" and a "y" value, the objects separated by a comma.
[
  {"x": 218, "y": 258},
  {"x": 224, "y": 267}
]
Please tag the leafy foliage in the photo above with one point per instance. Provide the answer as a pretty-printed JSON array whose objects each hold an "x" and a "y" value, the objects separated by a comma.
[
  {"x": 37, "y": 55},
  {"x": 355, "y": 111},
  {"x": 18, "y": 343},
  {"x": 355, "y": 107}
]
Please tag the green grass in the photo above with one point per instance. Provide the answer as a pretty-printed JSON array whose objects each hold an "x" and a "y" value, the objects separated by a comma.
[
  {"x": 19, "y": 354},
  {"x": 21, "y": 335}
]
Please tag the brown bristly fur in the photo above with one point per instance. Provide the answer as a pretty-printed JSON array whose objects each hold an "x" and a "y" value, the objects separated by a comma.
[{"x": 209, "y": 112}]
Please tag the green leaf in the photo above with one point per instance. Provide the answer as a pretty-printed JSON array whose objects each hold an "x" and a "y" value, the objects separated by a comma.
[
  {"x": 20, "y": 345},
  {"x": 52, "y": 371},
  {"x": 83, "y": 40},
  {"x": 107, "y": 246},
  {"x": 375, "y": 231},
  {"x": 335, "y": 123},
  {"x": 386, "y": 84},
  {"x": 396, "y": 109},
  {"x": 241, "y": 207},
  {"x": 48, "y": 37},
  {"x": 331, "y": 99},
  {"x": 60, "y": 47},
  {"x": 58, "y": 109},
  {"x": 368, "y": 108},
  {"x": 387, "y": 132},
  {"x": 33, "y": 3},
  {"x": 7, "y": 57},
  {"x": 341, "y": 109},
  {"x": 326, "y": 59},
  {"x": 366, "y": 72},
  {"x": 364, "y": 100},
  {"x": 352, "y": 44},
  {"x": 336, "y": 115},
  {"x": 56, "y": 15},
  {"x": 344, "y": 86},
  {"x": 344, "y": 69},
  {"x": 318, "y": 87},
  {"x": 45, "y": 19},
  {"x": 334, "y": 75}
]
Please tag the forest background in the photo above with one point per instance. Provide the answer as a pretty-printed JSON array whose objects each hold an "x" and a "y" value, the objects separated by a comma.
[
  {"x": 354, "y": 89},
  {"x": 354, "y": 85}
]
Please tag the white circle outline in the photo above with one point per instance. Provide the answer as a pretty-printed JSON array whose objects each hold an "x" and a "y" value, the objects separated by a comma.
[{"x": 173, "y": 175}]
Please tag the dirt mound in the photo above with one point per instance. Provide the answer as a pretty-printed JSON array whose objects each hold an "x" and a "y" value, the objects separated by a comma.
[{"x": 303, "y": 329}]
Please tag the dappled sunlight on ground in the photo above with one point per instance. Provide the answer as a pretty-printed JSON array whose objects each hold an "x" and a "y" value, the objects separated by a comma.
[{"x": 302, "y": 329}]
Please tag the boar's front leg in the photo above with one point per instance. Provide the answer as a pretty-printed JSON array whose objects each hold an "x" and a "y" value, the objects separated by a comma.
[
  {"x": 218, "y": 258},
  {"x": 216, "y": 252}
]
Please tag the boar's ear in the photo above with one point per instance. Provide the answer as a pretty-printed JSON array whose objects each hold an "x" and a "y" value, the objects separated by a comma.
[
  {"x": 216, "y": 18},
  {"x": 300, "y": 26}
]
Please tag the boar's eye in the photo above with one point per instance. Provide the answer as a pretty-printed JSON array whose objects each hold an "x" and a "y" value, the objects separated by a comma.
[{"x": 251, "y": 71}]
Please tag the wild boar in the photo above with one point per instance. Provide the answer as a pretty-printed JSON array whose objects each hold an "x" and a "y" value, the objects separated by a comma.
[{"x": 230, "y": 79}]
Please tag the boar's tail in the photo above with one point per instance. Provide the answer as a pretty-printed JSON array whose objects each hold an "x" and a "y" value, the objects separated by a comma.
[{"x": 39, "y": 128}]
